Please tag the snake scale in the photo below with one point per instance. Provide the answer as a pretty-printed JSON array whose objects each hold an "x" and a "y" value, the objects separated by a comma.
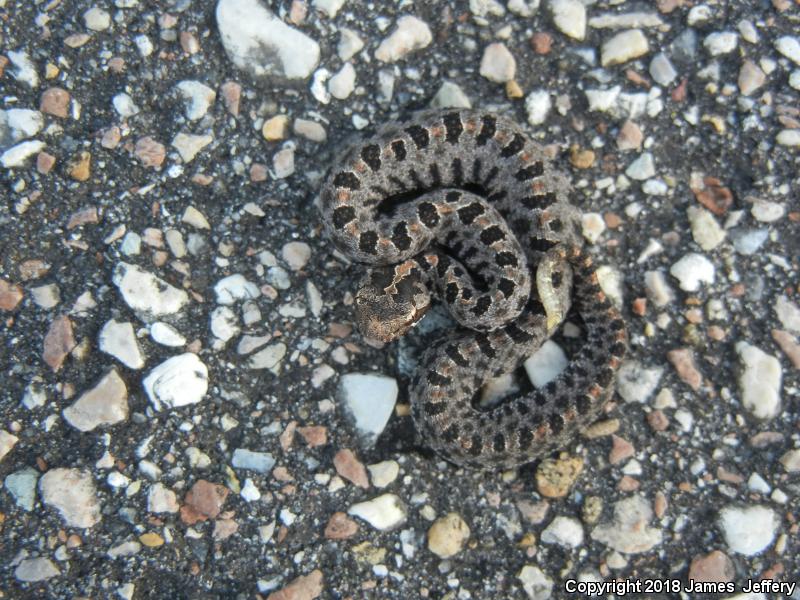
[{"x": 461, "y": 204}]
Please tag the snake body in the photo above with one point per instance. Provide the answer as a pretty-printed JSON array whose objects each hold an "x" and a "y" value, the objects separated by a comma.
[{"x": 462, "y": 202}]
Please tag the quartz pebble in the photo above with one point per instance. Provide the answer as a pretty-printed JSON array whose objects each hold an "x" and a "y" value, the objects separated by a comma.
[
  {"x": 197, "y": 98},
  {"x": 705, "y": 230},
  {"x": 563, "y": 531},
  {"x": 498, "y": 64},
  {"x": 759, "y": 381},
  {"x": 7, "y": 442},
  {"x": 269, "y": 358},
  {"x": 623, "y": 47},
  {"x": 537, "y": 585},
  {"x": 721, "y": 42},
  {"x": 22, "y": 486},
  {"x": 751, "y": 77},
  {"x": 693, "y": 270},
  {"x": 370, "y": 400},
  {"x": 790, "y": 47},
  {"x": 72, "y": 493},
  {"x": 189, "y": 145},
  {"x": 637, "y": 383},
  {"x": 119, "y": 340},
  {"x": 748, "y": 530},
  {"x": 569, "y": 16},
  {"x": 36, "y": 569},
  {"x": 447, "y": 535},
  {"x": 260, "y": 43},
  {"x": 788, "y": 313},
  {"x": 384, "y": 513},
  {"x": 296, "y": 254},
  {"x": 629, "y": 531},
  {"x": 343, "y": 82},
  {"x": 537, "y": 106},
  {"x": 161, "y": 499},
  {"x": 176, "y": 382},
  {"x": 545, "y": 364},
  {"x": 411, "y": 33},
  {"x": 234, "y": 288},
  {"x": 350, "y": 44},
  {"x": 260, "y": 462},
  {"x": 384, "y": 473},
  {"x": 166, "y": 335},
  {"x": 450, "y": 95},
  {"x": 145, "y": 292},
  {"x": 105, "y": 404}
]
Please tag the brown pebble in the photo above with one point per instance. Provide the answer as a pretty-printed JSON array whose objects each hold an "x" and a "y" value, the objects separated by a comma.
[
  {"x": 305, "y": 587},
  {"x": 58, "y": 342},
  {"x": 679, "y": 93},
  {"x": 660, "y": 504},
  {"x": 80, "y": 167},
  {"x": 534, "y": 512},
  {"x": 630, "y": 136},
  {"x": 601, "y": 428},
  {"x": 712, "y": 567},
  {"x": 612, "y": 220},
  {"x": 513, "y": 90},
  {"x": 714, "y": 196},
  {"x": 298, "y": 12},
  {"x": 581, "y": 158},
  {"x": 33, "y": 269},
  {"x": 314, "y": 435},
  {"x": 150, "y": 152},
  {"x": 637, "y": 79},
  {"x": 10, "y": 295},
  {"x": 555, "y": 477},
  {"x": 620, "y": 450},
  {"x": 45, "y": 162},
  {"x": 204, "y": 501},
  {"x": 55, "y": 101},
  {"x": 716, "y": 333},
  {"x": 231, "y": 95},
  {"x": 657, "y": 420},
  {"x": 639, "y": 306},
  {"x": 117, "y": 64},
  {"x": 83, "y": 216},
  {"x": 683, "y": 361},
  {"x": 349, "y": 467},
  {"x": 724, "y": 475},
  {"x": 111, "y": 137},
  {"x": 286, "y": 438},
  {"x": 202, "y": 179},
  {"x": 281, "y": 473},
  {"x": 258, "y": 172},
  {"x": 667, "y": 6},
  {"x": 189, "y": 42},
  {"x": 628, "y": 484},
  {"x": 788, "y": 344},
  {"x": 340, "y": 527},
  {"x": 340, "y": 330},
  {"x": 541, "y": 42}
]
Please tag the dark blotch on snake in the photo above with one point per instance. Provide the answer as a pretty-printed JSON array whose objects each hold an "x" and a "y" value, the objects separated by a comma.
[
  {"x": 428, "y": 214},
  {"x": 453, "y": 127},
  {"x": 399, "y": 149},
  {"x": 514, "y": 146},
  {"x": 371, "y": 155},
  {"x": 347, "y": 179},
  {"x": 368, "y": 242},
  {"x": 400, "y": 237},
  {"x": 343, "y": 215},
  {"x": 419, "y": 135},
  {"x": 469, "y": 213},
  {"x": 488, "y": 129},
  {"x": 492, "y": 234}
]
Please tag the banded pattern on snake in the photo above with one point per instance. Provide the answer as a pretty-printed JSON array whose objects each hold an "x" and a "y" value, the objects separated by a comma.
[{"x": 464, "y": 203}]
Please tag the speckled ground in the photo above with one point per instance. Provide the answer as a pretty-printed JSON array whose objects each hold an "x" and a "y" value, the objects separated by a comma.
[{"x": 682, "y": 144}]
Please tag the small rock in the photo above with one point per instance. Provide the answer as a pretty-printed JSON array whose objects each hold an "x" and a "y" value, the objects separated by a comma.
[
  {"x": 283, "y": 163},
  {"x": 786, "y": 137},
  {"x": 683, "y": 361},
  {"x": 46, "y": 296},
  {"x": 383, "y": 473},
  {"x": 55, "y": 101},
  {"x": 411, "y": 33},
  {"x": 203, "y": 501},
  {"x": 569, "y": 16},
  {"x": 766, "y": 211},
  {"x": 10, "y": 295},
  {"x": 231, "y": 95},
  {"x": 268, "y": 358},
  {"x": 314, "y": 436},
  {"x": 498, "y": 64},
  {"x": 339, "y": 527},
  {"x": 119, "y": 340},
  {"x": 36, "y": 569},
  {"x": 751, "y": 77},
  {"x": 150, "y": 152},
  {"x": 536, "y": 584},
  {"x": 546, "y": 364},
  {"x": 349, "y": 44},
  {"x": 721, "y": 42},
  {"x": 97, "y": 19},
  {"x": 593, "y": 226},
  {"x": 296, "y": 254},
  {"x": 447, "y": 535},
  {"x": 692, "y": 270},
  {"x": 370, "y": 400},
  {"x": 145, "y": 292},
  {"x": 189, "y": 145},
  {"x": 197, "y": 98},
  {"x": 58, "y": 342},
  {"x": 759, "y": 381},
  {"x": 260, "y": 43},
  {"x": 384, "y": 513},
  {"x": 537, "y": 106},
  {"x": 305, "y": 587},
  {"x": 642, "y": 168},
  {"x": 661, "y": 70},
  {"x": 166, "y": 335},
  {"x": 748, "y": 530},
  {"x": 555, "y": 477},
  {"x": 80, "y": 167},
  {"x": 623, "y": 47},
  {"x": 105, "y": 404},
  {"x": 349, "y": 467},
  {"x": 161, "y": 499},
  {"x": 450, "y": 95},
  {"x": 789, "y": 345},
  {"x": 630, "y": 136},
  {"x": 276, "y": 128},
  {"x": 712, "y": 567},
  {"x": 195, "y": 218},
  {"x": 124, "y": 105},
  {"x": 176, "y": 382},
  {"x": 151, "y": 539},
  {"x": 343, "y": 82},
  {"x": 790, "y": 47},
  {"x": 22, "y": 486},
  {"x": 629, "y": 532},
  {"x": 542, "y": 42},
  {"x": 72, "y": 493},
  {"x": 791, "y": 461},
  {"x": 17, "y": 156},
  {"x": 563, "y": 531},
  {"x": 705, "y": 230},
  {"x": 7, "y": 442},
  {"x": 260, "y": 462},
  {"x": 234, "y": 288}
]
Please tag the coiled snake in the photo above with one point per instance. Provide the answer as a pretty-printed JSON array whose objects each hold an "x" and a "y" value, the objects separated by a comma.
[{"x": 463, "y": 203}]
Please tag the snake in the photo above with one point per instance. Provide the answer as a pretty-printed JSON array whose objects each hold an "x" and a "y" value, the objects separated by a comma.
[{"x": 462, "y": 207}]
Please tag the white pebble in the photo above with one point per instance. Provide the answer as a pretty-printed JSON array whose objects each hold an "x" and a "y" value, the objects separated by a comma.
[
  {"x": 721, "y": 42},
  {"x": 537, "y": 106},
  {"x": 370, "y": 400},
  {"x": 693, "y": 270},
  {"x": 642, "y": 168},
  {"x": 176, "y": 382},
  {"x": 105, "y": 404},
  {"x": 119, "y": 340},
  {"x": 260, "y": 462},
  {"x": 145, "y": 292},
  {"x": 623, "y": 47},
  {"x": 790, "y": 47},
  {"x": 97, "y": 19},
  {"x": 569, "y": 16},
  {"x": 342, "y": 84},
  {"x": 384, "y": 513},
  {"x": 197, "y": 98},
  {"x": 748, "y": 530},
  {"x": 498, "y": 64},
  {"x": 759, "y": 381},
  {"x": 545, "y": 364},
  {"x": 411, "y": 33},
  {"x": 234, "y": 288},
  {"x": 563, "y": 531},
  {"x": 166, "y": 335}
]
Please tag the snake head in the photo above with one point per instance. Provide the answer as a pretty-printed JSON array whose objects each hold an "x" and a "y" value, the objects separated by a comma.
[{"x": 390, "y": 301}]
